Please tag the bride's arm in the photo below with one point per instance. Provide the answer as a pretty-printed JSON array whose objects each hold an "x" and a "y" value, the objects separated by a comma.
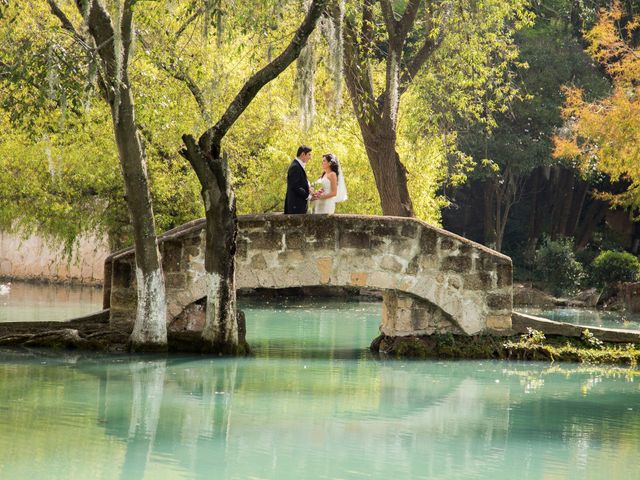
[{"x": 333, "y": 181}]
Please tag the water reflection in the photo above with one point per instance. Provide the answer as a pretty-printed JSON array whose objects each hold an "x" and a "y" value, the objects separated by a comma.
[
  {"x": 313, "y": 403},
  {"x": 286, "y": 418},
  {"x": 147, "y": 385},
  {"x": 582, "y": 316},
  {"x": 26, "y": 302}
]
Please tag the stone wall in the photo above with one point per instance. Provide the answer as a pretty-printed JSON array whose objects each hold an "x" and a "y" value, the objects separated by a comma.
[
  {"x": 36, "y": 259},
  {"x": 434, "y": 280}
]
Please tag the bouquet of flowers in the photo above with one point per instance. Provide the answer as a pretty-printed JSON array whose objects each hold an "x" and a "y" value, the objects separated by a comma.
[{"x": 317, "y": 186}]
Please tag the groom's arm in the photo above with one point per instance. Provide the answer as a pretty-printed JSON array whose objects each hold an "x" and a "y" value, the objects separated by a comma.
[{"x": 299, "y": 183}]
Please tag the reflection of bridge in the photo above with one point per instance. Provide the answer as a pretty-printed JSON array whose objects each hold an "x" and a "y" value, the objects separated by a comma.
[{"x": 433, "y": 280}]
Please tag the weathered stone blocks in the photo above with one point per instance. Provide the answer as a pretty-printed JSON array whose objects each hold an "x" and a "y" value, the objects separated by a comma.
[
  {"x": 359, "y": 279},
  {"x": 500, "y": 301},
  {"x": 505, "y": 275},
  {"x": 391, "y": 264},
  {"x": 295, "y": 240},
  {"x": 171, "y": 256},
  {"x": 457, "y": 263},
  {"x": 465, "y": 286},
  {"x": 447, "y": 243},
  {"x": 428, "y": 241},
  {"x": 351, "y": 239},
  {"x": 499, "y": 322},
  {"x": 478, "y": 281}
]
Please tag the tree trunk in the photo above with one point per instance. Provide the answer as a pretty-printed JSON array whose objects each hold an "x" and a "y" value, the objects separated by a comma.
[
  {"x": 221, "y": 327},
  {"x": 579, "y": 198},
  {"x": 113, "y": 39},
  {"x": 535, "y": 216},
  {"x": 150, "y": 328},
  {"x": 501, "y": 223},
  {"x": 489, "y": 197},
  {"x": 594, "y": 214},
  {"x": 567, "y": 188},
  {"x": 378, "y": 114},
  {"x": 389, "y": 173},
  {"x": 220, "y": 332},
  {"x": 562, "y": 181}
]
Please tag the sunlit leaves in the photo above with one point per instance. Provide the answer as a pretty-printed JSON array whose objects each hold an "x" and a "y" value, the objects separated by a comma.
[{"x": 605, "y": 134}]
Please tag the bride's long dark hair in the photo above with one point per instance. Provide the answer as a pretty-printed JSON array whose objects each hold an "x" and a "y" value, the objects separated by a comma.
[{"x": 333, "y": 164}]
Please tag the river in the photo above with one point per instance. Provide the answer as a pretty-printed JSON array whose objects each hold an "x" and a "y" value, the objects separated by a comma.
[{"x": 311, "y": 403}]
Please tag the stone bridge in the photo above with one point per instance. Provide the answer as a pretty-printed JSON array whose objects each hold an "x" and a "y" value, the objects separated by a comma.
[{"x": 432, "y": 280}]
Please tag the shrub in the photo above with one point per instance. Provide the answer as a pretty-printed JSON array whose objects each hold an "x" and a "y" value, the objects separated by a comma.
[
  {"x": 533, "y": 337},
  {"x": 591, "y": 340},
  {"x": 611, "y": 267},
  {"x": 556, "y": 266}
]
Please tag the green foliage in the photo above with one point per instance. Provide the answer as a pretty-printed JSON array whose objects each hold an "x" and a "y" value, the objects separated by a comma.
[
  {"x": 522, "y": 135},
  {"x": 61, "y": 186},
  {"x": 533, "y": 337},
  {"x": 556, "y": 266},
  {"x": 591, "y": 340},
  {"x": 530, "y": 346},
  {"x": 60, "y": 175},
  {"x": 470, "y": 81},
  {"x": 591, "y": 351},
  {"x": 612, "y": 267},
  {"x": 602, "y": 135}
]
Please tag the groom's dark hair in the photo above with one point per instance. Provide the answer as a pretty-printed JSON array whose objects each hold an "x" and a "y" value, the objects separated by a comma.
[{"x": 303, "y": 149}]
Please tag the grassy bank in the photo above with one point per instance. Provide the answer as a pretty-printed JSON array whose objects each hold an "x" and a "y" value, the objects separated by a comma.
[{"x": 531, "y": 346}]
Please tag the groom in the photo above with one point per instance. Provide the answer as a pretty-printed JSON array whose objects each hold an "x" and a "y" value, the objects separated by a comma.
[{"x": 298, "y": 190}]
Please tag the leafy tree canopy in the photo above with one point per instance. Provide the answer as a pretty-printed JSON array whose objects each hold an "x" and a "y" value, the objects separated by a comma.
[{"x": 604, "y": 134}]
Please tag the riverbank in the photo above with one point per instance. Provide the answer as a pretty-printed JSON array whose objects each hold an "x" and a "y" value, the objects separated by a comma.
[
  {"x": 532, "y": 346},
  {"x": 95, "y": 333}
]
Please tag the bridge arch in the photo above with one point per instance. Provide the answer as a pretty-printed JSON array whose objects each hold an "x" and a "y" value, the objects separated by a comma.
[{"x": 425, "y": 271}]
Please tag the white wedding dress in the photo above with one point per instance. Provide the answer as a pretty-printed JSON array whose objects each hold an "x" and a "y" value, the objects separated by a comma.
[{"x": 328, "y": 205}]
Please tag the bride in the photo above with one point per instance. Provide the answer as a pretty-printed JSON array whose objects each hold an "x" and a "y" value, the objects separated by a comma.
[{"x": 332, "y": 186}]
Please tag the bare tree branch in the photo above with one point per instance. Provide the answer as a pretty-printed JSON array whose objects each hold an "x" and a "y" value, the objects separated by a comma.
[
  {"x": 213, "y": 136},
  {"x": 180, "y": 75},
  {"x": 67, "y": 25},
  {"x": 126, "y": 30},
  {"x": 190, "y": 20},
  {"x": 101, "y": 30},
  {"x": 399, "y": 29},
  {"x": 428, "y": 47},
  {"x": 365, "y": 44},
  {"x": 357, "y": 71},
  {"x": 389, "y": 19},
  {"x": 408, "y": 19}
]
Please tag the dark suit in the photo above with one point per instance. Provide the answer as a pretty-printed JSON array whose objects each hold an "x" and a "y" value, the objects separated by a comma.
[{"x": 297, "y": 189}]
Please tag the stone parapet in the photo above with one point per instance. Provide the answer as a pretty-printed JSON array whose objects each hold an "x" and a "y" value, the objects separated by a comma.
[{"x": 434, "y": 277}]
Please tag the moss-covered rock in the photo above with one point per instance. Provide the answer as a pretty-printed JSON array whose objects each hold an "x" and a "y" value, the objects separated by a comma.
[{"x": 532, "y": 346}]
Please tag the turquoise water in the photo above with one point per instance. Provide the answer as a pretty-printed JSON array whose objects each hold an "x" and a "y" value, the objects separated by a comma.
[
  {"x": 596, "y": 318},
  {"x": 313, "y": 403}
]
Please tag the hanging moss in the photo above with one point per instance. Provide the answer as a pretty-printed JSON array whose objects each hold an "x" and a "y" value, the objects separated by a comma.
[
  {"x": 118, "y": 55},
  {"x": 306, "y": 66},
  {"x": 331, "y": 28}
]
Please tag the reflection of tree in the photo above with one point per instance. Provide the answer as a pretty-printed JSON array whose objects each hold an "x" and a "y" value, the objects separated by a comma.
[
  {"x": 147, "y": 381},
  {"x": 293, "y": 418}
]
